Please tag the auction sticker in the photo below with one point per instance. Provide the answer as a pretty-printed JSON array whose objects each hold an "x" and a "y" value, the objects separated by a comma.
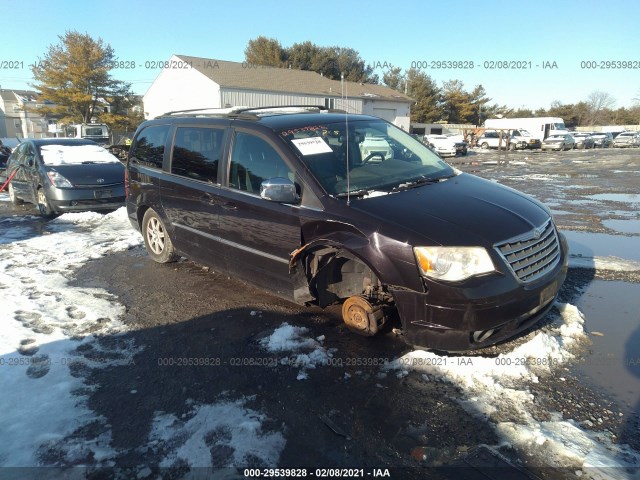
[{"x": 311, "y": 145}]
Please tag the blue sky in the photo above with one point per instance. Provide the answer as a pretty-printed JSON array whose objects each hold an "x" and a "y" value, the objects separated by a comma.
[{"x": 397, "y": 33}]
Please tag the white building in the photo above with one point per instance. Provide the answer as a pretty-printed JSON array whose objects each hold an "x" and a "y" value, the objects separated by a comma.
[
  {"x": 192, "y": 82},
  {"x": 18, "y": 115}
]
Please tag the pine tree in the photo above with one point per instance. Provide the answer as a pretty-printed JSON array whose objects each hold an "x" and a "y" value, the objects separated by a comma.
[{"x": 74, "y": 78}]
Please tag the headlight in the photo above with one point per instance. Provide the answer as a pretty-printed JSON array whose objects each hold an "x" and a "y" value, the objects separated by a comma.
[
  {"x": 58, "y": 180},
  {"x": 453, "y": 264}
]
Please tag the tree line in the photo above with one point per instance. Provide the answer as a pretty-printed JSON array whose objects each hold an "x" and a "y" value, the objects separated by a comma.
[
  {"x": 74, "y": 79},
  {"x": 450, "y": 103}
]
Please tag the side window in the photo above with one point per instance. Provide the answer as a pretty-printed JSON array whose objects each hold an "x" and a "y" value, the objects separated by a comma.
[
  {"x": 148, "y": 149},
  {"x": 253, "y": 160},
  {"x": 196, "y": 153}
]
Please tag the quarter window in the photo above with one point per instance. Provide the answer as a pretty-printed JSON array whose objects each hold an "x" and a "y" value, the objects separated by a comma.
[
  {"x": 254, "y": 160},
  {"x": 196, "y": 153},
  {"x": 148, "y": 149}
]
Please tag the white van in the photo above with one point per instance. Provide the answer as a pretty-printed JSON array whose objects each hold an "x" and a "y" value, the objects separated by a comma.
[{"x": 537, "y": 127}]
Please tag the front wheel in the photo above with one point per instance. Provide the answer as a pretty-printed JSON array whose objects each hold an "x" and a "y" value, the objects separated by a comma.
[
  {"x": 43, "y": 204},
  {"x": 156, "y": 238},
  {"x": 484, "y": 145}
]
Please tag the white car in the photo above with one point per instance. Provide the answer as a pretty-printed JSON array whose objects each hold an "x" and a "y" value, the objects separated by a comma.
[
  {"x": 443, "y": 145},
  {"x": 376, "y": 149},
  {"x": 627, "y": 139},
  {"x": 558, "y": 142}
]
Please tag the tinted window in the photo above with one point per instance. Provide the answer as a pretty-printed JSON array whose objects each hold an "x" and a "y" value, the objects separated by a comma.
[
  {"x": 148, "y": 149},
  {"x": 196, "y": 153},
  {"x": 252, "y": 161}
]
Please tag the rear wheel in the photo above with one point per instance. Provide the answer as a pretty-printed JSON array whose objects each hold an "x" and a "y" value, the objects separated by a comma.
[
  {"x": 484, "y": 145},
  {"x": 43, "y": 204},
  {"x": 156, "y": 238},
  {"x": 12, "y": 196}
]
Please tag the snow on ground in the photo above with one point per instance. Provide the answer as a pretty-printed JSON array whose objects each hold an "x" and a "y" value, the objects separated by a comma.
[
  {"x": 604, "y": 263},
  {"x": 44, "y": 321},
  {"x": 495, "y": 389},
  {"x": 307, "y": 353},
  {"x": 226, "y": 433}
]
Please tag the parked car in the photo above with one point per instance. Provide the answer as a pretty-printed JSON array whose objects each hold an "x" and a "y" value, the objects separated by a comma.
[
  {"x": 65, "y": 175},
  {"x": 558, "y": 142},
  {"x": 491, "y": 139},
  {"x": 287, "y": 202},
  {"x": 582, "y": 140},
  {"x": 462, "y": 147},
  {"x": 627, "y": 139},
  {"x": 444, "y": 146},
  {"x": 602, "y": 139},
  {"x": 5, "y": 152}
]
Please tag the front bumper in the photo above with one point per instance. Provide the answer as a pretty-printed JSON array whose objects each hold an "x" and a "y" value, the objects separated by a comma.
[
  {"x": 86, "y": 199},
  {"x": 487, "y": 311}
]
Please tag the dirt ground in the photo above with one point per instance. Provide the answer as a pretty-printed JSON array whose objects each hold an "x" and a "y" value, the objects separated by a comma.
[{"x": 352, "y": 415}]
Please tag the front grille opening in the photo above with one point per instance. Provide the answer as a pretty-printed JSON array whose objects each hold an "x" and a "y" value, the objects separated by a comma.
[{"x": 531, "y": 256}]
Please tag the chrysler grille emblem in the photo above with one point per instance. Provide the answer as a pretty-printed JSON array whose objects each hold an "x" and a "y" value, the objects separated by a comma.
[
  {"x": 537, "y": 233},
  {"x": 100, "y": 180}
]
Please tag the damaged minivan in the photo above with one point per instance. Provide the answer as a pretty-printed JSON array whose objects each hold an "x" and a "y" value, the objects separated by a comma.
[{"x": 323, "y": 207}]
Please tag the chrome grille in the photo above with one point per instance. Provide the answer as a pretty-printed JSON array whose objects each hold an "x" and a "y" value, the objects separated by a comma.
[{"x": 530, "y": 256}]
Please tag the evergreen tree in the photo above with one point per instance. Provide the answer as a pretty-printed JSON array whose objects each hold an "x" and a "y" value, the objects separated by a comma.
[{"x": 74, "y": 78}]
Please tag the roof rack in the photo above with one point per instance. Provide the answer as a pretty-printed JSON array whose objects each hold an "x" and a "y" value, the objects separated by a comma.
[
  {"x": 252, "y": 112},
  {"x": 213, "y": 110}
]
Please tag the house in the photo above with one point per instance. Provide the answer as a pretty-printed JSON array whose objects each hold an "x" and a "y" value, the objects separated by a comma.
[
  {"x": 18, "y": 115},
  {"x": 192, "y": 82}
]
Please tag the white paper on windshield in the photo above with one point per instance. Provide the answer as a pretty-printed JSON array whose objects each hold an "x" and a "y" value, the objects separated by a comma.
[
  {"x": 69, "y": 154},
  {"x": 311, "y": 145}
]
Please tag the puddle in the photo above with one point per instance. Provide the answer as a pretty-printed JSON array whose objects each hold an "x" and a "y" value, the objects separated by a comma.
[
  {"x": 623, "y": 226},
  {"x": 617, "y": 197},
  {"x": 587, "y": 244},
  {"x": 623, "y": 213},
  {"x": 613, "y": 362}
]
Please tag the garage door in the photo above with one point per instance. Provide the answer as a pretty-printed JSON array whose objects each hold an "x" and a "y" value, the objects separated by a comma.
[{"x": 388, "y": 114}]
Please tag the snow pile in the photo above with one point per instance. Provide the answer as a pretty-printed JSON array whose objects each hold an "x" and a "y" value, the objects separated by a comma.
[
  {"x": 44, "y": 321},
  {"x": 495, "y": 389},
  {"x": 307, "y": 352},
  {"x": 222, "y": 435},
  {"x": 604, "y": 263}
]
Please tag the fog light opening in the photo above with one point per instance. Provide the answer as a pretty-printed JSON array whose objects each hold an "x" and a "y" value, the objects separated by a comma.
[{"x": 480, "y": 336}]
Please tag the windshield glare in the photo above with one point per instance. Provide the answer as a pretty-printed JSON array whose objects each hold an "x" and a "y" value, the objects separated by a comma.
[{"x": 381, "y": 157}]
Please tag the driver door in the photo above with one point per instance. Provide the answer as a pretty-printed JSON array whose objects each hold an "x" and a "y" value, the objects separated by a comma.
[{"x": 259, "y": 234}]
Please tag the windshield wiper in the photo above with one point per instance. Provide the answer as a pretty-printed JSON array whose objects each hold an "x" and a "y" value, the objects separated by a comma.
[
  {"x": 419, "y": 182},
  {"x": 354, "y": 193}
]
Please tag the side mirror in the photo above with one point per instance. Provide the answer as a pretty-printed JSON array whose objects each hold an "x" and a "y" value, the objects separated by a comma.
[{"x": 279, "y": 189}]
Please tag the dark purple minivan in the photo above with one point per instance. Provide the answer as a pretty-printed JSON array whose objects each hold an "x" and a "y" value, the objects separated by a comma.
[{"x": 321, "y": 207}]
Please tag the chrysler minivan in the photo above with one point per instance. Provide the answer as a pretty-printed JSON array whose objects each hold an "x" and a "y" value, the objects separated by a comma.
[{"x": 301, "y": 202}]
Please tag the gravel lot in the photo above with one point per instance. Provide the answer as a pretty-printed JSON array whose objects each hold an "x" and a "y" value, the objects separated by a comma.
[{"x": 352, "y": 412}]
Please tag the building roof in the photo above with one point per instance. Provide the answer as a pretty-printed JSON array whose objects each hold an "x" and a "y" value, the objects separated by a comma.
[
  {"x": 286, "y": 80},
  {"x": 14, "y": 95}
]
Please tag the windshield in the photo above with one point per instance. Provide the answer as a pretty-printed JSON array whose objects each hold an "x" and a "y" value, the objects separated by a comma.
[
  {"x": 74, "y": 154},
  {"x": 381, "y": 157}
]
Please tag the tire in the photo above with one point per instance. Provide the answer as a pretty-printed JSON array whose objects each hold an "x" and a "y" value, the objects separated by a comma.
[
  {"x": 484, "y": 145},
  {"x": 12, "y": 196},
  {"x": 156, "y": 238},
  {"x": 43, "y": 204}
]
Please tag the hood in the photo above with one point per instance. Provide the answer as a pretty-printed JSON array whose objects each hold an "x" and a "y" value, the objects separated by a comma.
[
  {"x": 91, "y": 174},
  {"x": 462, "y": 211}
]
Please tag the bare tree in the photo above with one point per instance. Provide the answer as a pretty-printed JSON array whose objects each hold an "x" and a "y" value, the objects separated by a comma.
[{"x": 600, "y": 104}]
